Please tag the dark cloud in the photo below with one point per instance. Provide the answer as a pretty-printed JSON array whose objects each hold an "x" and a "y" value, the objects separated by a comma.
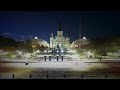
[
  {"x": 22, "y": 36},
  {"x": 6, "y": 33},
  {"x": 30, "y": 36}
]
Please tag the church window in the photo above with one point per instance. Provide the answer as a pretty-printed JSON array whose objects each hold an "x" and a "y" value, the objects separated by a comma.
[{"x": 59, "y": 35}]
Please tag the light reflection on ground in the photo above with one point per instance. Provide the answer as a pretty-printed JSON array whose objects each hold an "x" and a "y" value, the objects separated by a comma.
[{"x": 20, "y": 69}]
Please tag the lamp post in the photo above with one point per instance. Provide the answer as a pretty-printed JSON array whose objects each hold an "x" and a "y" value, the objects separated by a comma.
[
  {"x": 76, "y": 56},
  {"x": 76, "y": 61}
]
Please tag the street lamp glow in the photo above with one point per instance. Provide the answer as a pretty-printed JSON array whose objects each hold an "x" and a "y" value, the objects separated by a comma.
[
  {"x": 49, "y": 51},
  {"x": 76, "y": 56},
  {"x": 45, "y": 51},
  {"x": 38, "y": 51},
  {"x": 57, "y": 51},
  {"x": 89, "y": 54},
  {"x": 20, "y": 52},
  {"x": 62, "y": 51}
]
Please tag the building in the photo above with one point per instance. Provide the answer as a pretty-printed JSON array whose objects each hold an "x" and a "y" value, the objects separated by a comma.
[
  {"x": 40, "y": 42},
  {"x": 77, "y": 43},
  {"x": 59, "y": 41}
]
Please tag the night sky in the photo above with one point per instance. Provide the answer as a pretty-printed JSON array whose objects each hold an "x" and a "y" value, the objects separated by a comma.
[{"x": 27, "y": 24}]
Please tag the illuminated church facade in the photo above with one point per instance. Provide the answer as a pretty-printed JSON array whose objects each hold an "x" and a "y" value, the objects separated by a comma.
[{"x": 59, "y": 41}]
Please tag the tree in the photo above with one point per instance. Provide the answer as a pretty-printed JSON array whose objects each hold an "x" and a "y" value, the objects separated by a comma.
[
  {"x": 10, "y": 49},
  {"x": 41, "y": 48},
  {"x": 7, "y": 43},
  {"x": 25, "y": 47}
]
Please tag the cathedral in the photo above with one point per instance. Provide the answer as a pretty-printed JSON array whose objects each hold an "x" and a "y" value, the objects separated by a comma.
[{"x": 60, "y": 42}]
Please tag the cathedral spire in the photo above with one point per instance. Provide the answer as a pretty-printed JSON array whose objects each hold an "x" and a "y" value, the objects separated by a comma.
[
  {"x": 59, "y": 25},
  {"x": 51, "y": 34},
  {"x": 68, "y": 34},
  {"x": 80, "y": 28}
]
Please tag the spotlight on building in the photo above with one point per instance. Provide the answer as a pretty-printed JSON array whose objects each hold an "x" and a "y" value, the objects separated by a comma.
[
  {"x": 84, "y": 38},
  {"x": 36, "y": 38}
]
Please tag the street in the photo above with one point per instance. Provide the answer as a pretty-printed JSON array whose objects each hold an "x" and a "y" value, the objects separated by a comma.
[{"x": 58, "y": 69}]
